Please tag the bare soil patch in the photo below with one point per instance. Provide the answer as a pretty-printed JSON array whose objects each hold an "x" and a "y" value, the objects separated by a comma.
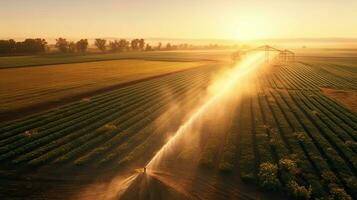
[{"x": 346, "y": 97}]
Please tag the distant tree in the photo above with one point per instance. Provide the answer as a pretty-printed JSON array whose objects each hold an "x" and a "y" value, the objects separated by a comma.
[
  {"x": 72, "y": 47},
  {"x": 7, "y": 46},
  {"x": 114, "y": 46},
  {"x": 123, "y": 45},
  {"x": 141, "y": 44},
  {"x": 100, "y": 44},
  {"x": 19, "y": 47},
  {"x": 4, "y": 47},
  {"x": 31, "y": 46},
  {"x": 27, "y": 46},
  {"x": 82, "y": 45},
  {"x": 62, "y": 44},
  {"x": 134, "y": 44},
  {"x": 183, "y": 46},
  {"x": 12, "y": 45},
  {"x": 159, "y": 46},
  {"x": 38, "y": 44},
  {"x": 168, "y": 46},
  {"x": 148, "y": 47}
]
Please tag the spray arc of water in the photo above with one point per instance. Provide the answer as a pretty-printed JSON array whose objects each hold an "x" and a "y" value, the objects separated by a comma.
[
  {"x": 226, "y": 85},
  {"x": 247, "y": 66}
]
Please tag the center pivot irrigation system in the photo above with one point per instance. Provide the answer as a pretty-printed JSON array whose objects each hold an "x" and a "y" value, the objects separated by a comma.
[{"x": 284, "y": 55}]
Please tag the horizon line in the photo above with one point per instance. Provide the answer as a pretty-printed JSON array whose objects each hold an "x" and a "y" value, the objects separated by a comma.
[{"x": 205, "y": 39}]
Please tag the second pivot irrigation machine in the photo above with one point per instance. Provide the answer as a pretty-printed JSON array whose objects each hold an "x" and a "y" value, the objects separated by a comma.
[{"x": 284, "y": 55}]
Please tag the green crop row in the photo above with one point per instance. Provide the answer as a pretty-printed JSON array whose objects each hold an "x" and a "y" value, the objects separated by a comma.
[
  {"x": 289, "y": 127},
  {"x": 69, "y": 113},
  {"x": 314, "y": 143},
  {"x": 127, "y": 128},
  {"x": 247, "y": 158},
  {"x": 304, "y": 129},
  {"x": 230, "y": 148},
  {"x": 64, "y": 129},
  {"x": 135, "y": 103}
]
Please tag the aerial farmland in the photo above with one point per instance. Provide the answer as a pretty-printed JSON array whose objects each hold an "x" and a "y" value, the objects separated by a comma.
[{"x": 178, "y": 100}]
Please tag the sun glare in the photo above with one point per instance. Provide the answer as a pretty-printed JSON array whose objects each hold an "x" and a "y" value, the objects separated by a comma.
[{"x": 252, "y": 27}]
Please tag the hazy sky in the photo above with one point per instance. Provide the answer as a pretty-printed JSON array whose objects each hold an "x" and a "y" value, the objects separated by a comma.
[{"x": 201, "y": 19}]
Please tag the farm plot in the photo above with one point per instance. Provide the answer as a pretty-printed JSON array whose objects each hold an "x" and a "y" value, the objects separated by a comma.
[
  {"x": 296, "y": 140},
  {"x": 284, "y": 135},
  {"x": 103, "y": 128},
  {"x": 25, "y": 90},
  {"x": 288, "y": 137},
  {"x": 175, "y": 56}
]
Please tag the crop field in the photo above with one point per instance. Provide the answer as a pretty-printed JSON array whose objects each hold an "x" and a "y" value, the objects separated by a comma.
[
  {"x": 310, "y": 138},
  {"x": 51, "y": 59},
  {"x": 43, "y": 86},
  {"x": 286, "y": 137}
]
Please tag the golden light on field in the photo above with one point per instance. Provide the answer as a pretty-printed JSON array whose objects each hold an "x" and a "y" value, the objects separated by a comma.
[
  {"x": 222, "y": 89},
  {"x": 85, "y": 76}
]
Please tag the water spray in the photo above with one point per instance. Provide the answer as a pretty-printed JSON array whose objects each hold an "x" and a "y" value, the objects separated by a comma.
[
  {"x": 222, "y": 87},
  {"x": 248, "y": 65}
]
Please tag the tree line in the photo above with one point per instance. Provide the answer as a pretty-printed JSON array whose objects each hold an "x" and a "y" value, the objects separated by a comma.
[
  {"x": 134, "y": 45},
  {"x": 40, "y": 45},
  {"x": 65, "y": 46},
  {"x": 25, "y": 47}
]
